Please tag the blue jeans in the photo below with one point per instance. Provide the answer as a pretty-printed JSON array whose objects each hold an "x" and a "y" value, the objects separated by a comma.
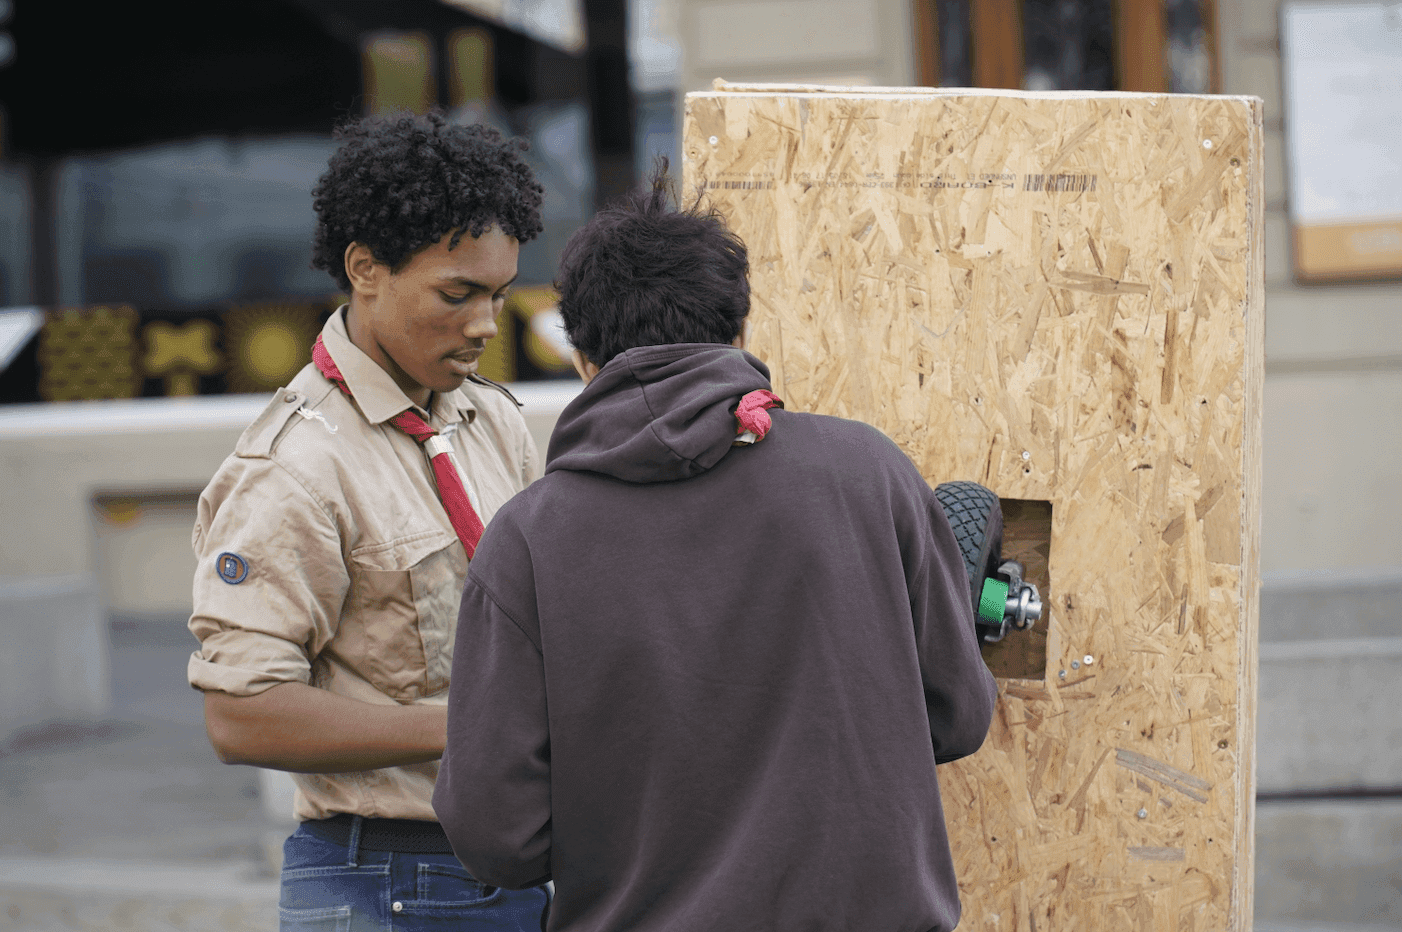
[{"x": 338, "y": 888}]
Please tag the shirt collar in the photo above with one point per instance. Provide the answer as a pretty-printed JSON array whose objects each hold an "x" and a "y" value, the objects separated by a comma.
[{"x": 375, "y": 392}]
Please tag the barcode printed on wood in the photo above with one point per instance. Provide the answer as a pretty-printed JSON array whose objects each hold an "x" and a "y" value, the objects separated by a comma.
[
  {"x": 740, "y": 185},
  {"x": 1072, "y": 183}
]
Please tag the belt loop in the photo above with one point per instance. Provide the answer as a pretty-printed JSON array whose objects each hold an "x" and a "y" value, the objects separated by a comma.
[{"x": 353, "y": 846}]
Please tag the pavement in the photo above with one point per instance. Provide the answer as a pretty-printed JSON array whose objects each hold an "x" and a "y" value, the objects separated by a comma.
[{"x": 131, "y": 823}]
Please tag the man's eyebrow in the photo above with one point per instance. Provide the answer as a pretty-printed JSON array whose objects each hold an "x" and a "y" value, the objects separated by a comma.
[{"x": 449, "y": 279}]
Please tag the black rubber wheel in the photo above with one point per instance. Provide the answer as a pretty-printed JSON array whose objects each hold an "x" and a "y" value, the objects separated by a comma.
[{"x": 977, "y": 520}]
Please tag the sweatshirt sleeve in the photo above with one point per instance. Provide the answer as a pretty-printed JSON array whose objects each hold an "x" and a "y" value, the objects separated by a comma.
[
  {"x": 492, "y": 794},
  {"x": 959, "y": 689}
]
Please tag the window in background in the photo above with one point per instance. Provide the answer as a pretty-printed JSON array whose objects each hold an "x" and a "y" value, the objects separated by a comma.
[
  {"x": 186, "y": 225},
  {"x": 654, "y": 52},
  {"x": 1153, "y": 46},
  {"x": 1069, "y": 45},
  {"x": 14, "y": 237},
  {"x": 1190, "y": 53}
]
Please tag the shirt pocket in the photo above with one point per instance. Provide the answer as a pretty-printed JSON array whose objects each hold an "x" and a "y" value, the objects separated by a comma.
[{"x": 401, "y": 614}]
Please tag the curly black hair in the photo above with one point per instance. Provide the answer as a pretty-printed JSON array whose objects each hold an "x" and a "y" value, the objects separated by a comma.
[
  {"x": 642, "y": 274},
  {"x": 399, "y": 184}
]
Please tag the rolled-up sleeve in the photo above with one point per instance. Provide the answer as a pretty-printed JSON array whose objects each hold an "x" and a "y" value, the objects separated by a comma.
[
  {"x": 493, "y": 789},
  {"x": 270, "y": 579}
]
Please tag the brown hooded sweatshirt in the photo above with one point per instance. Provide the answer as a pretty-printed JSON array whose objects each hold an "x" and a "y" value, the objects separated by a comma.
[{"x": 705, "y": 686}]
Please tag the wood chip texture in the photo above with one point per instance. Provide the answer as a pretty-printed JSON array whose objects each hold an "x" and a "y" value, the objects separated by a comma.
[{"x": 1059, "y": 296}]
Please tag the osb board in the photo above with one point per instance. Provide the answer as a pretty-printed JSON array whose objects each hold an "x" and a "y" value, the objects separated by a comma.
[{"x": 1058, "y": 296}]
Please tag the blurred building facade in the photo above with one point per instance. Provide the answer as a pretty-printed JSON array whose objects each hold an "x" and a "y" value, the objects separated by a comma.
[
  {"x": 162, "y": 226},
  {"x": 155, "y": 245}
]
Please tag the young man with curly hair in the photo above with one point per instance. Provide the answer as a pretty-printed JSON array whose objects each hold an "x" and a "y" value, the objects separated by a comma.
[
  {"x": 333, "y": 543},
  {"x": 707, "y": 665}
]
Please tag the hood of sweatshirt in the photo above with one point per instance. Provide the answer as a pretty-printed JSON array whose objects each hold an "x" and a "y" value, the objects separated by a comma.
[{"x": 656, "y": 413}]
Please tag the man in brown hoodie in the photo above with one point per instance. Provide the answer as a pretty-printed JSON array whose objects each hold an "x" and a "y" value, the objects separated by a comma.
[{"x": 707, "y": 664}]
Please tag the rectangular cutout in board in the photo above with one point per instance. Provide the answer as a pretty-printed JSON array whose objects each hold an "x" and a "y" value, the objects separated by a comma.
[
  {"x": 1027, "y": 533},
  {"x": 1342, "y": 65}
]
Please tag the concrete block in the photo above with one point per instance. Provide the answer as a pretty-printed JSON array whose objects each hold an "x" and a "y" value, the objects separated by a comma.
[
  {"x": 863, "y": 42},
  {"x": 1280, "y": 263},
  {"x": 1329, "y": 715},
  {"x": 277, "y": 793},
  {"x": 1258, "y": 21},
  {"x": 1329, "y": 865},
  {"x": 1276, "y": 166},
  {"x": 1332, "y": 465},
  {"x": 541, "y": 404},
  {"x": 1257, "y": 75},
  {"x": 55, "y": 457},
  {"x": 789, "y": 32},
  {"x": 55, "y": 663},
  {"x": 1274, "y": 925},
  {"x": 1340, "y": 327},
  {"x": 1331, "y": 606},
  {"x": 144, "y": 561},
  {"x": 156, "y": 454}
]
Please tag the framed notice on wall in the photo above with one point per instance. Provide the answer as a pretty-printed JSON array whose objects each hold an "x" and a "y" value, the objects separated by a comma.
[{"x": 1343, "y": 124}]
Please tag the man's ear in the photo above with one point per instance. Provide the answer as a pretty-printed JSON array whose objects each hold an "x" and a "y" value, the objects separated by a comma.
[
  {"x": 364, "y": 272},
  {"x": 586, "y": 369}
]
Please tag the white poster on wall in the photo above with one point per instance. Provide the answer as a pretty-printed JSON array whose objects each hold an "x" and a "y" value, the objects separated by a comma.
[{"x": 1343, "y": 124}]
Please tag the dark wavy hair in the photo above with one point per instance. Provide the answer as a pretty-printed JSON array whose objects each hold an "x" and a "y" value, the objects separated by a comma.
[
  {"x": 399, "y": 184},
  {"x": 642, "y": 274}
]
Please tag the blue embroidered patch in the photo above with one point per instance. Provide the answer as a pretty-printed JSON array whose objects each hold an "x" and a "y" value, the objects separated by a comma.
[{"x": 232, "y": 568}]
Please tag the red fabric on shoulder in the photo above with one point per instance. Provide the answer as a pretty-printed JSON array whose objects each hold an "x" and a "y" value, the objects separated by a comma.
[
  {"x": 461, "y": 514},
  {"x": 752, "y": 414}
]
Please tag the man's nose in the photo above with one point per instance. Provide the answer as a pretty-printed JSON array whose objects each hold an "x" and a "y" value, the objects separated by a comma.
[{"x": 482, "y": 323}]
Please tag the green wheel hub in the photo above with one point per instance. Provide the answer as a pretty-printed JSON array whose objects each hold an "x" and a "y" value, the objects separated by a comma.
[{"x": 994, "y": 601}]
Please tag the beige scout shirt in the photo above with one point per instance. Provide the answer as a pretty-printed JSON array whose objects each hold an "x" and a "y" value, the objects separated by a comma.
[{"x": 351, "y": 572}]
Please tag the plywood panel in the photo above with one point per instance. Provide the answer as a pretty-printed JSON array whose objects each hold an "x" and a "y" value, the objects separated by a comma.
[{"x": 1058, "y": 296}]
